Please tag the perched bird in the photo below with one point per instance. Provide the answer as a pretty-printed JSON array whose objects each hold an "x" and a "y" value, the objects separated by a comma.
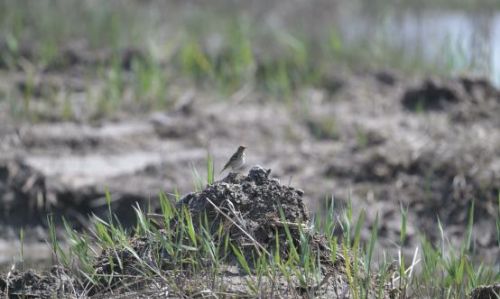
[{"x": 237, "y": 160}]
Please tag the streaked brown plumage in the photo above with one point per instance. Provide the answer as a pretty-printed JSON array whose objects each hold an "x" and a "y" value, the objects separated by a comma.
[{"x": 237, "y": 160}]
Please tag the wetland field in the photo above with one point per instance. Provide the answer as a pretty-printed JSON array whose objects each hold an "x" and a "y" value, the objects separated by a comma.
[{"x": 373, "y": 149}]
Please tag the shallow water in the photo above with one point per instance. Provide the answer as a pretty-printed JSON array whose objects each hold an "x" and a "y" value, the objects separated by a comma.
[{"x": 461, "y": 41}]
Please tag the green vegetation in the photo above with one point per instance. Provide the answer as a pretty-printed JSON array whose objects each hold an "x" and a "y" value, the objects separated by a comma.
[
  {"x": 187, "y": 255},
  {"x": 178, "y": 253},
  {"x": 139, "y": 51}
]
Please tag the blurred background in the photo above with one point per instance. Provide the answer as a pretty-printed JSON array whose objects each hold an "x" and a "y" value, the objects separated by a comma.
[{"x": 389, "y": 105}]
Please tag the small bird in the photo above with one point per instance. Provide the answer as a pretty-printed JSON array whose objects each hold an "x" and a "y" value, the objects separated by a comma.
[{"x": 237, "y": 160}]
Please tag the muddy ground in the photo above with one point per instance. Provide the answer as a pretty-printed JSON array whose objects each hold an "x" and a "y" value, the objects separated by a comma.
[
  {"x": 252, "y": 209},
  {"x": 386, "y": 142}
]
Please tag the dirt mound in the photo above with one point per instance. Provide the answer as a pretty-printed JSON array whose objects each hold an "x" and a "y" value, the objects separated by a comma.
[
  {"x": 431, "y": 95},
  {"x": 467, "y": 99},
  {"x": 260, "y": 199},
  {"x": 256, "y": 213},
  {"x": 486, "y": 292},
  {"x": 57, "y": 282}
]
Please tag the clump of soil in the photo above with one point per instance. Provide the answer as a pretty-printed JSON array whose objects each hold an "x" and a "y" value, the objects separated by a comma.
[
  {"x": 467, "y": 99},
  {"x": 58, "y": 282},
  {"x": 254, "y": 210},
  {"x": 486, "y": 292},
  {"x": 251, "y": 204},
  {"x": 431, "y": 95}
]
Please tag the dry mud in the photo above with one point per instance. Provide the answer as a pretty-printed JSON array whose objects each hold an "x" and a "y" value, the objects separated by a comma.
[{"x": 431, "y": 146}]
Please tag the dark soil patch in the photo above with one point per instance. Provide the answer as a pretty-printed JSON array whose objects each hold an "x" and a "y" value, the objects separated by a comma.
[
  {"x": 466, "y": 99},
  {"x": 260, "y": 200},
  {"x": 56, "y": 283},
  {"x": 386, "y": 78},
  {"x": 75, "y": 53},
  {"x": 430, "y": 95},
  {"x": 486, "y": 292}
]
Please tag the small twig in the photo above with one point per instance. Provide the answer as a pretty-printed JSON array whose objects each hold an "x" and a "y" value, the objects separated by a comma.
[
  {"x": 414, "y": 262},
  {"x": 7, "y": 279},
  {"x": 283, "y": 223}
]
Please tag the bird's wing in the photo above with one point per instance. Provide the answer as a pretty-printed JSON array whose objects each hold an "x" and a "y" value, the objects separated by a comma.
[
  {"x": 225, "y": 166},
  {"x": 233, "y": 157}
]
